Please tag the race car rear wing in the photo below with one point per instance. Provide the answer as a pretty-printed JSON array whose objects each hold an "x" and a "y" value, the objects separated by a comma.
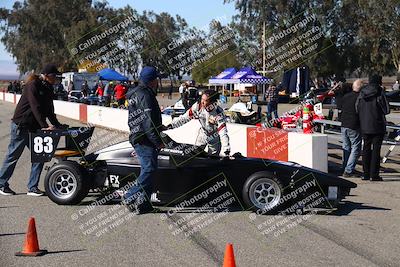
[{"x": 44, "y": 144}]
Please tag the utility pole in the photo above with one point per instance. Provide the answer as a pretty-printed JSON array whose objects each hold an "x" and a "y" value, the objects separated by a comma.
[{"x": 264, "y": 48}]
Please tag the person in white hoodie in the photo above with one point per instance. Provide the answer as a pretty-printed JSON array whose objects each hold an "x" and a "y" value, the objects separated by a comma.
[{"x": 213, "y": 131}]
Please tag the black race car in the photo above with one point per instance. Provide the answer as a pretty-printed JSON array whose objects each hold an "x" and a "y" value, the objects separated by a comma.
[{"x": 186, "y": 176}]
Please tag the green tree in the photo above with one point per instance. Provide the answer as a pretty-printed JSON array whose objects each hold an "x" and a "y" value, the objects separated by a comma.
[
  {"x": 365, "y": 33},
  {"x": 220, "y": 54},
  {"x": 163, "y": 32},
  {"x": 39, "y": 31},
  {"x": 379, "y": 35}
]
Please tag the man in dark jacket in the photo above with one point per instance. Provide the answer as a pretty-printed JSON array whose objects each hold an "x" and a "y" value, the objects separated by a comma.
[
  {"x": 351, "y": 135},
  {"x": 145, "y": 124},
  {"x": 85, "y": 89},
  {"x": 340, "y": 88},
  {"x": 10, "y": 88},
  {"x": 34, "y": 107},
  {"x": 272, "y": 98},
  {"x": 372, "y": 107}
]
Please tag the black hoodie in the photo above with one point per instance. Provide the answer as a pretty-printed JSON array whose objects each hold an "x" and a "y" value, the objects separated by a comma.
[{"x": 372, "y": 107}]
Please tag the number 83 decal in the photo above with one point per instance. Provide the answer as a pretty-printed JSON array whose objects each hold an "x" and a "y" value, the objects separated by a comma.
[{"x": 43, "y": 144}]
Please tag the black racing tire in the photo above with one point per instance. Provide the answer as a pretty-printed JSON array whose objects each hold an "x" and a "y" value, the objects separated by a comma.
[
  {"x": 263, "y": 192},
  {"x": 65, "y": 183}
]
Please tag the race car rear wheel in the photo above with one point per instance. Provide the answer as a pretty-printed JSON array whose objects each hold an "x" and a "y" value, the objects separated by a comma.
[
  {"x": 263, "y": 191},
  {"x": 64, "y": 183}
]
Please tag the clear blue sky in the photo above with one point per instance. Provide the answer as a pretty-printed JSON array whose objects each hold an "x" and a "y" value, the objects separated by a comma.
[{"x": 197, "y": 13}]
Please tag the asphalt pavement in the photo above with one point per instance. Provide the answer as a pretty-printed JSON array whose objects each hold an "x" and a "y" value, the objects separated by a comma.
[{"x": 364, "y": 231}]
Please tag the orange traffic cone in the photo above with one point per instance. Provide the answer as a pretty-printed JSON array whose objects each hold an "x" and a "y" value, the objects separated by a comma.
[
  {"x": 31, "y": 246},
  {"x": 229, "y": 258}
]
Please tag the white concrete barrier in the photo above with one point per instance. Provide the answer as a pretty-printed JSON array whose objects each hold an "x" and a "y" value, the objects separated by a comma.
[
  {"x": 108, "y": 117},
  {"x": 238, "y": 138},
  {"x": 66, "y": 109},
  {"x": 310, "y": 150},
  {"x": 188, "y": 133},
  {"x": 10, "y": 98}
]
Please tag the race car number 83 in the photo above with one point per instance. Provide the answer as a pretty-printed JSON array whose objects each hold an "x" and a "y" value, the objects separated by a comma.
[{"x": 43, "y": 144}]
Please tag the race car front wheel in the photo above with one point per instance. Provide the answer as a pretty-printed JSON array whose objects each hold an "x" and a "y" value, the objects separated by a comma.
[
  {"x": 64, "y": 183},
  {"x": 262, "y": 191}
]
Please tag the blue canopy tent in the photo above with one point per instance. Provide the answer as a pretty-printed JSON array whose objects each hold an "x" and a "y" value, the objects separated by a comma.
[
  {"x": 224, "y": 77},
  {"x": 249, "y": 75},
  {"x": 111, "y": 75},
  {"x": 246, "y": 75}
]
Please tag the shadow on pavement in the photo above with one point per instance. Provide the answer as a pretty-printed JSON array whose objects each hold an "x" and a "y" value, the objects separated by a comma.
[
  {"x": 334, "y": 146},
  {"x": 389, "y": 160},
  {"x": 65, "y": 251},
  {"x": 198, "y": 210},
  {"x": 9, "y": 207},
  {"x": 12, "y": 234},
  {"x": 348, "y": 206},
  {"x": 165, "y": 209},
  {"x": 388, "y": 170},
  {"x": 390, "y": 179},
  {"x": 335, "y": 156}
]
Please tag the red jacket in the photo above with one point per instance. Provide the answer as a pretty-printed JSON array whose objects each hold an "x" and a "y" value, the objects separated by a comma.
[
  {"x": 100, "y": 91},
  {"x": 120, "y": 91}
]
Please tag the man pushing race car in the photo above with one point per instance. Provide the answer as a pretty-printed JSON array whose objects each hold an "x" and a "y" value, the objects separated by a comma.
[
  {"x": 132, "y": 166},
  {"x": 213, "y": 130}
]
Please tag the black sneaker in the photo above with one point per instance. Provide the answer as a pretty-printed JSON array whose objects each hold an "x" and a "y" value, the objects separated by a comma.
[
  {"x": 365, "y": 178},
  {"x": 146, "y": 208},
  {"x": 140, "y": 209},
  {"x": 6, "y": 191},
  {"x": 377, "y": 179},
  {"x": 35, "y": 192}
]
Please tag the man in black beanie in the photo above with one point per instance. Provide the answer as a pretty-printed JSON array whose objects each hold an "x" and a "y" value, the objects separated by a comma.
[{"x": 372, "y": 107}]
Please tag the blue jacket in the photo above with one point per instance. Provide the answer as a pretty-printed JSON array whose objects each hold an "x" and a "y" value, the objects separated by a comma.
[{"x": 144, "y": 118}]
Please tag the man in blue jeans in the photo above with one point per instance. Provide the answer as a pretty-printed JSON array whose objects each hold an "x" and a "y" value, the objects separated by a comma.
[
  {"x": 351, "y": 135},
  {"x": 145, "y": 124},
  {"x": 34, "y": 107}
]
